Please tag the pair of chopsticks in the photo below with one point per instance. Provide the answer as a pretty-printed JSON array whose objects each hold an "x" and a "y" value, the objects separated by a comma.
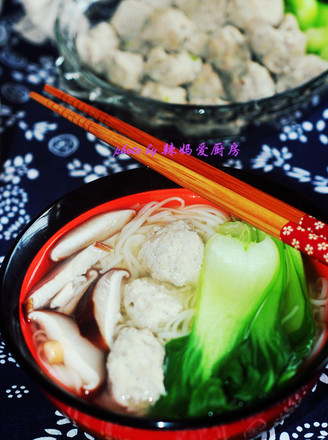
[{"x": 267, "y": 213}]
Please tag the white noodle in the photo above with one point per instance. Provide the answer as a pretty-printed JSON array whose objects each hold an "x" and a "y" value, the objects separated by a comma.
[{"x": 318, "y": 301}]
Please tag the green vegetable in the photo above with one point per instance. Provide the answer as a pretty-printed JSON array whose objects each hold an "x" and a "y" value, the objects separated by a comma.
[
  {"x": 322, "y": 15},
  {"x": 294, "y": 308},
  {"x": 193, "y": 57},
  {"x": 252, "y": 326},
  {"x": 306, "y": 11},
  {"x": 238, "y": 259},
  {"x": 312, "y": 16},
  {"x": 317, "y": 39},
  {"x": 324, "y": 53}
]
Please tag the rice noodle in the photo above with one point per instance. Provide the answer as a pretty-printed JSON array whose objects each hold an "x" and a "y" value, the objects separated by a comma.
[{"x": 318, "y": 301}]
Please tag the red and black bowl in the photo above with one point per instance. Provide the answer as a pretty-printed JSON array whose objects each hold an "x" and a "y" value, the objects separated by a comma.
[{"x": 28, "y": 261}]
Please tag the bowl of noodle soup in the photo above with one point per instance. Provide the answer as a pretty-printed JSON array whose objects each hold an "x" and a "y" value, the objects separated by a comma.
[{"x": 88, "y": 399}]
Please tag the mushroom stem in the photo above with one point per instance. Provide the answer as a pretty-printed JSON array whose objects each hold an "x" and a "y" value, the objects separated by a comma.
[
  {"x": 53, "y": 351},
  {"x": 96, "y": 229}
]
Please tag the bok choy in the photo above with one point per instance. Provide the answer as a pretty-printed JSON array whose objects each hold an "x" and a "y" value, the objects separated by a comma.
[
  {"x": 312, "y": 16},
  {"x": 252, "y": 325}
]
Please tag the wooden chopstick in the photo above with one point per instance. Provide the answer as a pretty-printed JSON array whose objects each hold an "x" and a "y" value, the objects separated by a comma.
[
  {"x": 189, "y": 161},
  {"x": 278, "y": 206},
  {"x": 276, "y": 224}
]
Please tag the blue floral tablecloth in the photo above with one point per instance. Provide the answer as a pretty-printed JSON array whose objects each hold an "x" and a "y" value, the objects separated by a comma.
[{"x": 43, "y": 157}]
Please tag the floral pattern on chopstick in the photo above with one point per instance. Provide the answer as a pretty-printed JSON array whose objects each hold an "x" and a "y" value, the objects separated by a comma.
[
  {"x": 312, "y": 224},
  {"x": 308, "y": 242}
]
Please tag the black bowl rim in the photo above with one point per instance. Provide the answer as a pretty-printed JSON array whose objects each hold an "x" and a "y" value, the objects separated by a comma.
[{"x": 309, "y": 373}]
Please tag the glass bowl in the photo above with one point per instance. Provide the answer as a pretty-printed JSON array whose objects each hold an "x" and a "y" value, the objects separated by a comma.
[
  {"x": 27, "y": 261},
  {"x": 156, "y": 116}
]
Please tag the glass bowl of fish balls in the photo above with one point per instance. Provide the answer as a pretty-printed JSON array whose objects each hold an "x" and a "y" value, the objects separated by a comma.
[
  {"x": 108, "y": 300},
  {"x": 207, "y": 67}
]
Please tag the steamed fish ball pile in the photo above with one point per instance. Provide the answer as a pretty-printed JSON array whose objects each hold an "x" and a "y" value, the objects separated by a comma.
[
  {"x": 162, "y": 46},
  {"x": 135, "y": 368},
  {"x": 173, "y": 253}
]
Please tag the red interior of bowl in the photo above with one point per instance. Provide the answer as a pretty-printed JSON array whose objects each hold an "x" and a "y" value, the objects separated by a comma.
[{"x": 41, "y": 264}]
